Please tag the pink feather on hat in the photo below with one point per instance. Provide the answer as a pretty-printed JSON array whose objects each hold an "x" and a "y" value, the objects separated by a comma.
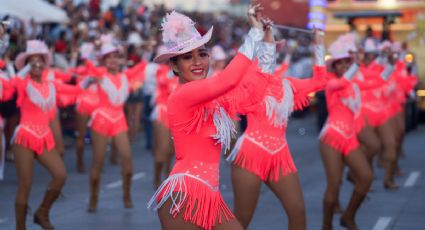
[
  {"x": 370, "y": 45},
  {"x": 342, "y": 46},
  {"x": 180, "y": 36},
  {"x": 108, "y": 45},
  {"x": 176, "y": 28}
]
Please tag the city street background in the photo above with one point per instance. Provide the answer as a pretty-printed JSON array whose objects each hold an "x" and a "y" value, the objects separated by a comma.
[{"x": 403, "y": 209}]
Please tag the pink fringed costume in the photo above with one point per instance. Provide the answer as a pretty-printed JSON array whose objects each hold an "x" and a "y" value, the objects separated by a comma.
[
  {"x": 62, "y": 100},
  {"x": 200, "y": 124},
  {"x": 400, "y": 84},
  {"x": 373, "y": 98},
  {"x": 108, "y": 117},
  {"x": 89, "y": 100},
  {"x": 164, "y": 86},
  {"x": 343, "y": 100},
  {"x": 263, "y": 149},
  {"x": 37, "y": 102}
]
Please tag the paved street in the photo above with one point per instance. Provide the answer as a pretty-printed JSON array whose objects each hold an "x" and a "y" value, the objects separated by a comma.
[{"x": 403, "y": 209}]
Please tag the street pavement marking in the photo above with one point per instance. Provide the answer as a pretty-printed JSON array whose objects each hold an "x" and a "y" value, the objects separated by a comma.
[
  {"x": 3, "y": 220},
  {"x": 411, "y": 180},
  {"x": 116, "y": 184},
  {"x": 382, "y": 223}
]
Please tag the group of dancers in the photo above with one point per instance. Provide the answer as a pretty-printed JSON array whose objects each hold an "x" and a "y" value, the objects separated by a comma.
[{"x": 193, "y": 117}]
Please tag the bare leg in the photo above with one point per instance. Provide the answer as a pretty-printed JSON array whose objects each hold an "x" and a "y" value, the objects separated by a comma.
[
  {"x": 371, "y": 141},
  {"x": 81, "y": 120},
  {"x": 246, "y": 191},
  {"x": 54, "y": 164},
  {"x": 161, "y": 150},
  {"x": 129, "y": 109},
  {"x": 288, "y": 191},
  {"x": 359, "y": 166},
  {"x": 122, "y": 143},
  {"x": 333, "y": 163},
  {"x": 113, "y": 158},
  {"x": 57, "y": 133},
  {"x": 400, "y": 128},
  {"x": 169, "y": 222},
  {"x": 137, "y": 115},
  {"x": 99, "y": 148},
  {"x": 387, "y": 136},
  {"x": 134, "y": 111},
  {"x": 24, "y": 162},
  {"x": 228, "y": 225}
]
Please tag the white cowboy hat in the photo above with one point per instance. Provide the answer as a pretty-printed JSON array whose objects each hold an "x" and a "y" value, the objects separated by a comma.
[
  {"x": 371, "y": 45},
  {"x": 180, "y": 36},
  {"x": 108, "y": 48},
  {"x": 34, "y": 47},
  {"x": 341, "y": 48},
  {"x": 108, "y": 45}
]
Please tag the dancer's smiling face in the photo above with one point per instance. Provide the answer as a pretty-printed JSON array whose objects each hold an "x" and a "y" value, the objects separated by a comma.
[
  {"x": 37, "y": 64},
  {"x": 192, "y": 66},
  {"x": 112, "y": 62},
  {"x": 341, "y": 66},
  {"x": 369, "y": 57}
]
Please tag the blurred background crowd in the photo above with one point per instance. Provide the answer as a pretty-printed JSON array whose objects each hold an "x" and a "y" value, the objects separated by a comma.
[{"x": 70, "y": 26}]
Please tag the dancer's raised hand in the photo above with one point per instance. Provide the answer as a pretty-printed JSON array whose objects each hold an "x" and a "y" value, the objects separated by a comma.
[
  {"x": 254, "y": 16},
  {"x": 318, "y": 37}
]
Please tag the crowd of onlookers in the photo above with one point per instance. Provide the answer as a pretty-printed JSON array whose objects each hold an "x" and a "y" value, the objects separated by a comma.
[
  {"x": 135, "y": 25},
  {"x": 137, "y": 28}
]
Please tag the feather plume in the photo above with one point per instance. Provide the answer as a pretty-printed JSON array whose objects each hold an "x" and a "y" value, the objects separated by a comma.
[
  {"x": 177, "y": 28},
  {"x": 343, "y": 45}
]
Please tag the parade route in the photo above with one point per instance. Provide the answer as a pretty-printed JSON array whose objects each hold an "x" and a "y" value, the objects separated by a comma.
[{"x": 383, "y": 210}]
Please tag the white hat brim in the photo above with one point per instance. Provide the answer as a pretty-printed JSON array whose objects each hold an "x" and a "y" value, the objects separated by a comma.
[
  {"x": 166, "y": 55},
  {"x": 330, "y": 62},
  {"x": 22, "y": 58}
]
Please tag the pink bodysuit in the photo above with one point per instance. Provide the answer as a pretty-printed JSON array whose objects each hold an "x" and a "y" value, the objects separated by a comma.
[
  {"x": 164, "y": 86},
  {"x": 399, "y": 85},
  {"x": 37, "y": 102},
  {"x": 263, "y": 149},
  {"x": 108, "y": 117},
  {"x": 200, "y": 114},
  {"x": 373, "y": 99},
  {"x": 343, "y": 101},
  {"x": 89, "y": 100}
]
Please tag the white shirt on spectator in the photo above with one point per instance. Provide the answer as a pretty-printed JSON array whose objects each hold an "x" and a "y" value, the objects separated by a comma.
[{"x": 149, "y": 85}]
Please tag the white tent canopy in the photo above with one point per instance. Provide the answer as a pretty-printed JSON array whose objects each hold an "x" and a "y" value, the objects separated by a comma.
[{"x": 39, "y": 10}]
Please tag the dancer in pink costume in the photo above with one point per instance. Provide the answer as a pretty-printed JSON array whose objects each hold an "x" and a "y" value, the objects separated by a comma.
[
  {"x": 261, "y": 154},
  {"x": 199, "y": 118},
  {"x": 33, "y": 138},
  {"x": 338, "y": 139},
  {"x": 108, "y": 120}
]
